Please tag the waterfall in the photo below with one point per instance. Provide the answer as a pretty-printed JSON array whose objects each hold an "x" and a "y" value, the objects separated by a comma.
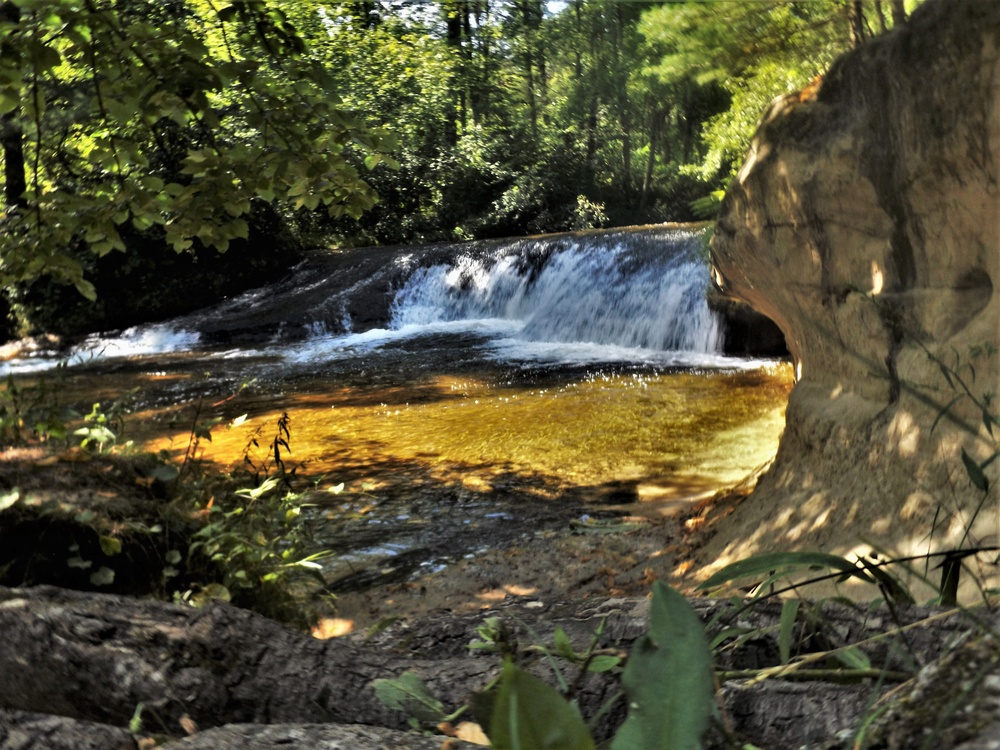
[
  {"x": 642, "y": 290},
  {"x": 616, "y": 296}
]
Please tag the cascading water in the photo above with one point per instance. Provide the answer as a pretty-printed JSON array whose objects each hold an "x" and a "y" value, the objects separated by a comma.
[
  {"x": 626, "y": 290},
  {"x": 621, "y": 296}
]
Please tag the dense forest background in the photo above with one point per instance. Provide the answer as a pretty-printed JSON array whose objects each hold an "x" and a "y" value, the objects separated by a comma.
[{"x": 142, "y": 138}]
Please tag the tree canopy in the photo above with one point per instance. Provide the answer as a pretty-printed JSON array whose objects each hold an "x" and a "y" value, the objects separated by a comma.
[{"x": 171, "y": 116}]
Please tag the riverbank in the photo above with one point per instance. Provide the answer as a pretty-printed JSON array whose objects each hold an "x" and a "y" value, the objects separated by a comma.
[{"x": 110, "y": 523}]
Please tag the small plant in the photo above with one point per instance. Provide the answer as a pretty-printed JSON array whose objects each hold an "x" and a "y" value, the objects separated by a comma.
[
  {"x": 587, "y": 214},
  {"x": 272, "y": 460},
  {"x": 95, "y": 433},
  {"x": 668, "y": 680},
  {"x": 32, "y": 413},
  {"x": 257, "y": 537}
]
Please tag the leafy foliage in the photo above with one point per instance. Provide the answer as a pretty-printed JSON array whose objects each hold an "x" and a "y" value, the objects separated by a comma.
[
  {"x": 167, "y": 118},
  {"x": 255, "y": 537}
]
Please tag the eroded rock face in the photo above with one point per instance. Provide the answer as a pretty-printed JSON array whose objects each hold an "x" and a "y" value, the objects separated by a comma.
[{"x": 866, "y": 223}]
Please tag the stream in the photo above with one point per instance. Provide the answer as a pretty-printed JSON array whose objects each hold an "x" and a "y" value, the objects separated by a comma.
[{"x": 445, "y": 399}]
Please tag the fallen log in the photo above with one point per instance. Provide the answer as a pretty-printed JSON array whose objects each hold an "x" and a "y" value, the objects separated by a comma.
[
  {"x": 95, "y": 658},
  {"x": 21, "y": 730}
]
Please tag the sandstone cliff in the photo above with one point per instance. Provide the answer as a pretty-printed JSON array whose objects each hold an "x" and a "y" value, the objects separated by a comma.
[{"x": 865, "y": 222}]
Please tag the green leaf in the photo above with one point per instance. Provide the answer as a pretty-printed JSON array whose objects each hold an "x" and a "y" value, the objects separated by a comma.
[
  {"x": 562, "y": 644},
  {"x": 975, "y": 472},
  {"x": 103, "y": 576},
  {"x": 86, "y": 289},
  {"x": 9, "y": 499},
  {"x": 408, "y": 694},
  {"x": 210, "y": 592},
  {"x": 853, "y": 658},
  {"x": 228, "y": 13},
  {"x": 8, "y": 102},
  {"x": 668, "y": 679},
  {"x": 110, "y": 545},
  {"x": 772, "y": 561},
  {"x": 789, "y": 611},
  {"x": 891, "y": 586},
  {"x": 603, "y": 663},
  {"x": 951, "y": 572},
  {"x": 165, "y": 473},
  {"x": 135, "y": 723},
  {"x": 528, "y": 714}
]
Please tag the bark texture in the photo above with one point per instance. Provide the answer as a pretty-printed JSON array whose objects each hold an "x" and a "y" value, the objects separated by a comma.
[{"x": 865, "y": 222}]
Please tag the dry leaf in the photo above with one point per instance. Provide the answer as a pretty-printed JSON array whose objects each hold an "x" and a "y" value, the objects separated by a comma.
[
  {"x": 470, "y": 731},
  {"x": 332, "y": 627},
  {"x": 188, "y": 725}
]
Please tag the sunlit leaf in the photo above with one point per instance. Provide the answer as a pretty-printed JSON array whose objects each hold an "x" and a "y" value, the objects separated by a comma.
[
  {"x": 9, "y": 499},
  {"x": 408, "y": 694},
  {"x": 78, "y": 562},
  {"x": 603, "y": 663},
  {"x": 110, "y": 545},
  {"x": 668, "y": 679},
  {"x": 770, "y": 562}
]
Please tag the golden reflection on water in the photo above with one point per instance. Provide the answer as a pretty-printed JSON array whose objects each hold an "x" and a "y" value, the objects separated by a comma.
[{"x": 641, "y": 440}]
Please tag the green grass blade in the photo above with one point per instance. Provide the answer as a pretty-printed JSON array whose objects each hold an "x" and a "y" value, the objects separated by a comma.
[
  {"x": 789, "y": 611},
  {"x": 772, "y": 561}
]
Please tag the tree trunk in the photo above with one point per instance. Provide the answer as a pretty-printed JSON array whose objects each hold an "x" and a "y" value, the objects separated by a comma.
[
  {"x": 95, "y": 657},
  {"x": 11, "y": 137},
  {"x": 665, "y": 142},
  {"x": 621, "y": 75},
  {"x": 654, "y": 132},
  {"x": 898, "y": 13},
  {"x": 530, "y": 21},
  {"x": 880, "y": 15},
  {"x": 856, "y": 21},
  {"x": 453, "y": 37}
]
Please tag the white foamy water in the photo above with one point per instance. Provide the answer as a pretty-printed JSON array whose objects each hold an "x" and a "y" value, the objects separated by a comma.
[
  {"x": 133, "y": 342},
  {"x": 626, "y": 297},
  {"x": 596, "y": 294}
]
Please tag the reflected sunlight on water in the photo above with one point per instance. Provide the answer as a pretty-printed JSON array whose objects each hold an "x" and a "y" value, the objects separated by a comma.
[{"x": 656, "y": 435}]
